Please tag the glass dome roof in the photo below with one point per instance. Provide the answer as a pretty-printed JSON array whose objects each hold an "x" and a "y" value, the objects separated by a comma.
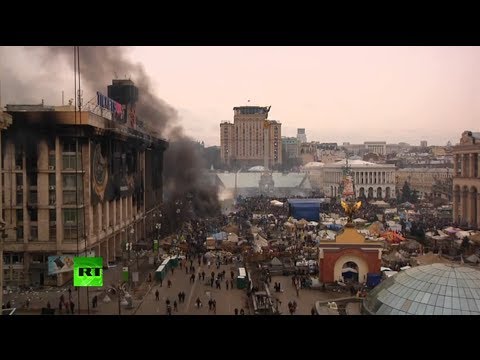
[{"x": 437, "y": 289}]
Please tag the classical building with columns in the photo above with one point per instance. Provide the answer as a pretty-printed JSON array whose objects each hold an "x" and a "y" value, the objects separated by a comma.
[
  {"x": 75, "y": 182},
  {"x": 374, "y": 181},
  {"x": 466, "y": 180}
]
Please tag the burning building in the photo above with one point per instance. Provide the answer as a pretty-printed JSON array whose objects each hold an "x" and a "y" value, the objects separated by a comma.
[{"x": 77, "y": 182}]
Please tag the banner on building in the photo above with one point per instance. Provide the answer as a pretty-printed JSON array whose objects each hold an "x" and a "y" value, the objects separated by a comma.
[
  {"x": 114, "y": 107},
  {"x": 60, "y": 264},
  {"x": 115, "y": 172}
]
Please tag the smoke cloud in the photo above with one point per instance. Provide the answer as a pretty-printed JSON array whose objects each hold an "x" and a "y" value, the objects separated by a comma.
[{"x": 183, "y": 162}]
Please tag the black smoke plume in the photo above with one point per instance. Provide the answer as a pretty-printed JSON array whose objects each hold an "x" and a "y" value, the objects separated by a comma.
[{"x": 183, "y": 163}]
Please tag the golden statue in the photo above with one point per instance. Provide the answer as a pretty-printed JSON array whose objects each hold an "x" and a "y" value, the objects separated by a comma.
[{"x": 351, "y": 209}]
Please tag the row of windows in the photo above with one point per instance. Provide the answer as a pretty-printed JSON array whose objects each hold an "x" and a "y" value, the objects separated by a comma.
[
  {"x": 68, "y": 215},
  {"x": 69, "y": 224},
  {"x": 69, "y": 149}
]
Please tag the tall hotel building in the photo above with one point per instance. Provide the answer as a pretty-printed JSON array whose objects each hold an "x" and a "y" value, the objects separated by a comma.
[
  {"x": 76, "y": 182},
  {"x": 243, "y": 142}
]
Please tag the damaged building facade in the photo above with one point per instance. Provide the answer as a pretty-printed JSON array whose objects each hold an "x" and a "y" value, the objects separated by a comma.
[{"x": 77, "y": 182}]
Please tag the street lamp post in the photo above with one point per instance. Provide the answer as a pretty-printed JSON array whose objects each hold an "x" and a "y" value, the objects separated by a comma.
[
  {"x": 129, "y": 249},
  {"x": 119, "y": 303},
  {"x": 2, "y": 231},
  {"x": 3, "y": 228}
]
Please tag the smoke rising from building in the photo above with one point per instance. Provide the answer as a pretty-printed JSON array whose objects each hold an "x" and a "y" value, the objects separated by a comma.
[{"x": 183, "y": 159}]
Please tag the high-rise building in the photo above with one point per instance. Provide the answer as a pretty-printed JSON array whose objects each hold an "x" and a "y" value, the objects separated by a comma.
[
  {"x": 466, "y": 180},
  {"x": 251, "y": 138},
  {"x": 423, "y": 143},
  {"x": 301, "y": 136},
  {"x": 76, "y": 182}
]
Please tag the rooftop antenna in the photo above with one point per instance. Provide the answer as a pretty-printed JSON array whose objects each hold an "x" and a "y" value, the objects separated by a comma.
[
  {"x": 0, "y": 94},
  {"x": 63, "y": 102},
  {"x": 115, "y": 74}
]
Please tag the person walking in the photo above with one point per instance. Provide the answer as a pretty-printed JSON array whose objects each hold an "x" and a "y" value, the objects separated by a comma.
[
  {"x": 157, "y": 295},
  {"x": 175, "y": 307},
  {"x": 169, "y": 283}
]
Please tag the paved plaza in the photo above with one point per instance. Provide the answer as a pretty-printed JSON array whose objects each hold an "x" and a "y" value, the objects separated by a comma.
[{"x": 145, "y": 303}]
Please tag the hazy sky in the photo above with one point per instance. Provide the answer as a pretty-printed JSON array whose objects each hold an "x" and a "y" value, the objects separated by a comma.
[{"x": 338, "y": 94}]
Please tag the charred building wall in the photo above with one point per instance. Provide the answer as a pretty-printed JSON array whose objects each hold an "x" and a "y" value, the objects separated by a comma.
[{"x": 73, "y": 183}]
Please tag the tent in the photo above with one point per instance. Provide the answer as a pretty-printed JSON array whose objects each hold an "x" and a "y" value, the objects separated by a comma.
[
  {"x": 308, "y": 209},
  {"x": 393, "y": 237},
  {"x": 302, "y": 223},
  {"x": 376, "y": 228},
  {"x": 380, "y": 203},
  {"x": 276, "y": 262},
  {"x": 220, "y": 236},
  {"x": 276, "y": 203},
  {"x": 334, "y": 227},
  {"x": 359, "y": 221},
  {"x": 473, "y": 259}
]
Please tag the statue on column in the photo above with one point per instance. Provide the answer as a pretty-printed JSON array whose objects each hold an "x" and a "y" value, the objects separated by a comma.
[{"x": 348, "y": 202}]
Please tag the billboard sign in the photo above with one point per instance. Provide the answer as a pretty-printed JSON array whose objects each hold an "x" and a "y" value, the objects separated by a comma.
[
  {"x": 60, "y": 264},
  {"x": 114, "y": 107},
  {"x": 88, "y": 271}
]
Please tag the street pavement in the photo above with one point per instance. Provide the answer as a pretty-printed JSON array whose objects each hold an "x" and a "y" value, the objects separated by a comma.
[
  {"x": 306, "y": 297},
  {"x": 227, "y": 300},
  {"x": 144, "y": 302}
]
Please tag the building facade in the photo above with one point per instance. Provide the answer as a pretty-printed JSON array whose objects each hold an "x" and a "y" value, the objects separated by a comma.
[
  {"x": 291, "y": 147},
  {"x": 301, "y": 136},
  {"x": 374, "y": 181},
  {"x": 377, "y": 147},
  {"x": 348, "y": 257},
  {"x": 251, "y": 139},
  {"x": 423, "y": 180},
  {"x": 466, "y": 180},
  {"x": 75, "y": 182}
]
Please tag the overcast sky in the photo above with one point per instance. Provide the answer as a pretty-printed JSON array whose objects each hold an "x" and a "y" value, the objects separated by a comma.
[{"x": 338, "y": 94}]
